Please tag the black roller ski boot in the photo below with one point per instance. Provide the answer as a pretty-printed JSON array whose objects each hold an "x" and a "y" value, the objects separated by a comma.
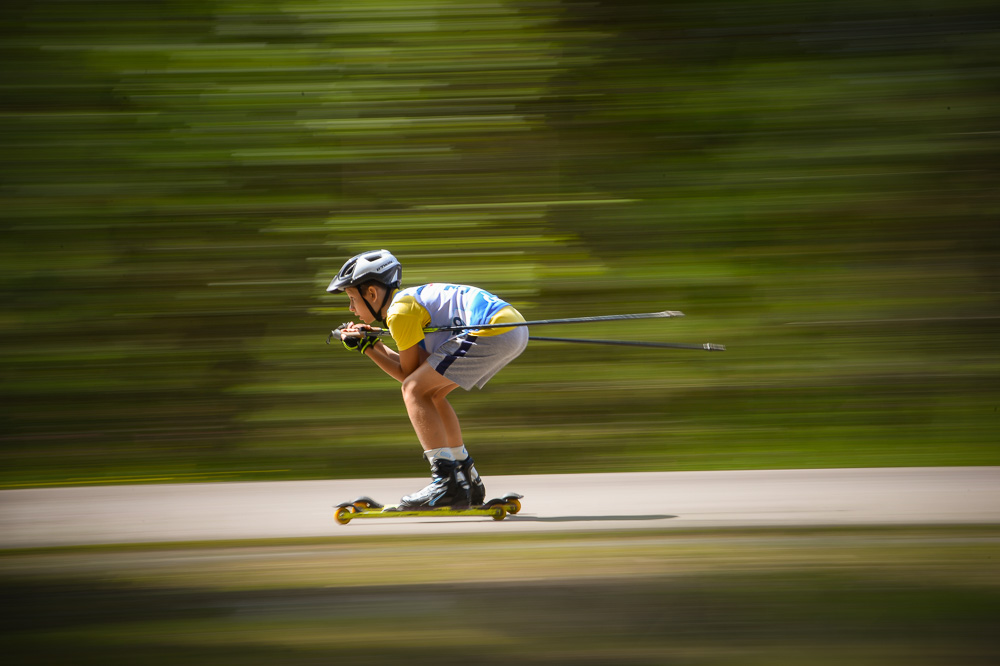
[
  {"x": 449, "y": 487},
  {"x": 477, "y": 490}
]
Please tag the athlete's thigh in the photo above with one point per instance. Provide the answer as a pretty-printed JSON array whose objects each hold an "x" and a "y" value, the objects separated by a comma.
[{"x": 429, "y": 381}]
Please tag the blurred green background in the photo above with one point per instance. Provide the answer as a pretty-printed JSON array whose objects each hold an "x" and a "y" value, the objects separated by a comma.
[{"x": 813, "y": 183}]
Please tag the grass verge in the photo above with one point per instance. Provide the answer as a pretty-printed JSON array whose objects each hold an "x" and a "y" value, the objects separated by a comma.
[{"x": 820, "y": 596}]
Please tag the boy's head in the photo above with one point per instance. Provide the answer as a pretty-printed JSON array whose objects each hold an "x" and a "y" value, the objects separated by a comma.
[
  {"x": 369, "y": 278},
  {"x": 370, "y": 293}
]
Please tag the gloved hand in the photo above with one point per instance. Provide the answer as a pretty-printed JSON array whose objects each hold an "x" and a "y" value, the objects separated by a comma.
[{"x": 358, "y": 343}]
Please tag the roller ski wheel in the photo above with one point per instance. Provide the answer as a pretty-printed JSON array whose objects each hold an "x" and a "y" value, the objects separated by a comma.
[
  {"x": 513, "y": 502},
  {"x": 343, "y": 514}
]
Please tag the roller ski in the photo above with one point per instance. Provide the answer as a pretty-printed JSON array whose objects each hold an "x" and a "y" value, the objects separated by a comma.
[
  {"x": 455, "y": 490},
  {"x": 366, "y": 507}
]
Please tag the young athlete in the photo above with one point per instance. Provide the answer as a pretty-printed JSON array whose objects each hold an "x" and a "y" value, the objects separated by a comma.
[{"x": 430, "y": 365}]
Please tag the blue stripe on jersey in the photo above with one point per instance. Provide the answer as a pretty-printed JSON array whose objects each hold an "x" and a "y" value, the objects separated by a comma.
[{"x": 462, "y": 350}]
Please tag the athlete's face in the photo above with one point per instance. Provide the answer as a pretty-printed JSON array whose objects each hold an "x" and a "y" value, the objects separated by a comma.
[{"x": 360, "y": 310}]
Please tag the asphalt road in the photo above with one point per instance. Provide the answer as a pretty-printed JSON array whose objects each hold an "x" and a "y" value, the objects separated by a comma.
[{"x": 223, "y": 511}]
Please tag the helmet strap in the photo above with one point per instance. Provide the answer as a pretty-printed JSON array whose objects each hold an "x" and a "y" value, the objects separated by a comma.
[{"x": 385, "y": 300}]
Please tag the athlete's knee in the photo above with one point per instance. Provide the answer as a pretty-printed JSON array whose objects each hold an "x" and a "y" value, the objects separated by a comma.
[
  {"x": 421, "y": 387},
  {"x": 410, "y": 389},
  {"x": 415, "y": 390}
]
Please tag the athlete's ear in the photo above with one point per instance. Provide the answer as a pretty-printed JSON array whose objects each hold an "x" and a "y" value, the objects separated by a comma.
[{"x": 373, "y": 293}]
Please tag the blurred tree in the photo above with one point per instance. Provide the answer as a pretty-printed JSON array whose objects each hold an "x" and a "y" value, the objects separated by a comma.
[{"x": 813, "y": 183}]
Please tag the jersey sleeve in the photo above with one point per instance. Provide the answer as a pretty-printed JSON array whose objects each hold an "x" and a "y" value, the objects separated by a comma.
[{"x": 406, "y": 319}]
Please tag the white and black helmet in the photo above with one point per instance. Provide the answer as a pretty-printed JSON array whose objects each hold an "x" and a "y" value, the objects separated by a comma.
[{"x": 377, "y": 265}]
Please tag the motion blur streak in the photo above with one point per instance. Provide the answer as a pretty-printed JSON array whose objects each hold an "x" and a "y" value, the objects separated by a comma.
[
  {"x": 183, "y": 178},
  {"x": 906, "y": 596}
]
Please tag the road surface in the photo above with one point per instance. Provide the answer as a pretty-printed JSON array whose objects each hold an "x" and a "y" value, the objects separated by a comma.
[{"x": 653, "y": 500}]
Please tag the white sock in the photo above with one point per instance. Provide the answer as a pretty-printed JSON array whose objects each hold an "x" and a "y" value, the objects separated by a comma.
[{"x": 439, "y": 454}]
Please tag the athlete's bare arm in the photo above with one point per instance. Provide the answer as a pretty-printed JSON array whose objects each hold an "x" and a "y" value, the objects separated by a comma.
[{"x": 399, "y": 365}]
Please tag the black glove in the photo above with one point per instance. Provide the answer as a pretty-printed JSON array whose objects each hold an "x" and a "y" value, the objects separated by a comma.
[{"x": 358, "y": 343}]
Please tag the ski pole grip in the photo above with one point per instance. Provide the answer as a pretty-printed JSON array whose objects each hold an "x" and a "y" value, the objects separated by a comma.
[{"x": 335, "y": 333}]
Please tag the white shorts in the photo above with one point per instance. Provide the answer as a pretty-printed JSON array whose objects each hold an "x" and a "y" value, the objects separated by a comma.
[{"x": 471, "y": 360}]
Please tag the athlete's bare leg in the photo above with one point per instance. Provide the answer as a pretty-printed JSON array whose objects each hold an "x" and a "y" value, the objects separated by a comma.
[{"x": 425, "y": 394}]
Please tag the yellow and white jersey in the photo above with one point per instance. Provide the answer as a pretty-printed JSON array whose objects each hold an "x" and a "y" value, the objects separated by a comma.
[{"x": 441, "y": 304}]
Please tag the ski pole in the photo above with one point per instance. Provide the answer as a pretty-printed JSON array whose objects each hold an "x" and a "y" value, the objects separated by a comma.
[
  {"x": 570, "y": 320},
  {"x": 540, "y": 322},
  {"x": 708, "y": 346}
]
